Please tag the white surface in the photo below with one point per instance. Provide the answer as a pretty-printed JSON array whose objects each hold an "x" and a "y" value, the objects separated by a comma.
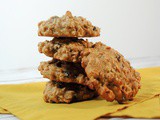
[
  {"x": 130, "y": 26},
  {"x": 31, "y": 73}
]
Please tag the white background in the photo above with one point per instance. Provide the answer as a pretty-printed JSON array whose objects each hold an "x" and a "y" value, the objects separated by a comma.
[{"x": 130, "y": 26}]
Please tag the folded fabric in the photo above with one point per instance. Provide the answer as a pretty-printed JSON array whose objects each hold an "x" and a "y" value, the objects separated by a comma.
[
  {"x": 146, "y": 109},
  {"x": 3, "y": 111},
  {"x": 26, "y": 101}
]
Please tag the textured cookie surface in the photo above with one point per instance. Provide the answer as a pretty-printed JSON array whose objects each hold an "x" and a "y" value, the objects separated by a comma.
[
  {"x": 65, "y": 49},
  {"x": 67, "y": 26},
  {"x": 63, "y": 71},
  {"x": 110, "y": 74},
  {"x": 66, "y": 92}
]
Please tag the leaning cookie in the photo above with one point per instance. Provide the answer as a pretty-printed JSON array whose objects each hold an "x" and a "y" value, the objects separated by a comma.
[
  {"x": 67, "y": 26},
  {"x": 61, "y": 71},
  {"x": 65, "y": 49},
  {"x": 67, "y": 92},
  {"x": 110, "y": 74}
]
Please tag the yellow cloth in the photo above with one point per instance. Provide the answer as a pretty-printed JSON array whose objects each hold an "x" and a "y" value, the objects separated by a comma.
[
  {"x": 25, "y": 101},
  {"x": 3, "y": 111},
  {"x": 147, "y": 109}
]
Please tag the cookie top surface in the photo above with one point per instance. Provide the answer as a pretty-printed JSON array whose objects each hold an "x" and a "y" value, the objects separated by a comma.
[
  {"x": 65, "y": 49},
  {"x": 67, "y": 26},
  {"x": 61, "y": 92},
  {"x": 110, "y": 73}
]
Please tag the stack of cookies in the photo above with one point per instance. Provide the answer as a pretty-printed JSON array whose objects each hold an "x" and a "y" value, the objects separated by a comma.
[{"x": 80, "y": 70}]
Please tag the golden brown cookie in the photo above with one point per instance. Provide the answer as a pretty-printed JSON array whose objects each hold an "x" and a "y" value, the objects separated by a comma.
[
  {"x": 63, "y": 71},
  {"x": 67, "y": 26},
  {"x": 67, "y": 92},
  {"x": 65, "y": 49},
  {"x": 109, "y": 73}
]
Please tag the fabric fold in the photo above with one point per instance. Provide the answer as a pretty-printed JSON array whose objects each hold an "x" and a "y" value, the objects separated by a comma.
[
  {"x": 3, "y": 111},
  {"x": 147, "y": 109}
]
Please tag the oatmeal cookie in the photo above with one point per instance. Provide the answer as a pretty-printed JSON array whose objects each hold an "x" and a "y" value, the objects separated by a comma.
[
  {"x": 63, "y": 71},
  {"x": 67, "y": 26},
  {"x": 109, "y": 73},
  {"x": 67, "y": 92},
  {"x": 65, "y": 49}
]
